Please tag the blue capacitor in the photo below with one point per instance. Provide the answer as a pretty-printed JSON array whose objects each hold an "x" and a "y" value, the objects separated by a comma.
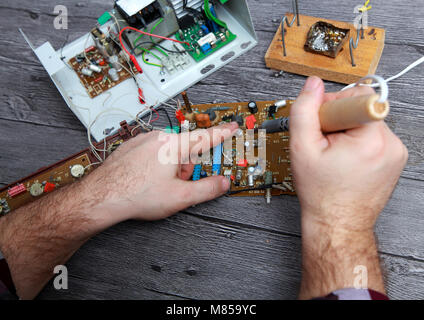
[{"x": 204, "y": 29}]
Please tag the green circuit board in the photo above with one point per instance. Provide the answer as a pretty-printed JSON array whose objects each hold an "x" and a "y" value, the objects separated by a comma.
[{"x": 192, "y": 36}]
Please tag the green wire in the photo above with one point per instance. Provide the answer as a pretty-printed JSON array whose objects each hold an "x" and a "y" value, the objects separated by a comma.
[
  {"x": 151, "y": 38},
  {"x": 210, "y": 16},
  {"x": 149, "y": 63},
  {"x": 151, "y": 31}
]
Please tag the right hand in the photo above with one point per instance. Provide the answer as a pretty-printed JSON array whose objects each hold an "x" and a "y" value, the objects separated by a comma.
[{"x": 343, "y": 180}]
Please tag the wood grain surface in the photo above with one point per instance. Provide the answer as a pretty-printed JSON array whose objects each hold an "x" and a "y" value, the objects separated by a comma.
[{"x": 235, "y": 248}]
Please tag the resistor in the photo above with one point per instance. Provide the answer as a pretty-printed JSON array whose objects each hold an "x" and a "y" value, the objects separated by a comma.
[
  {"x": 268, "y": 182},
  {"x": 95, "y": 68},
  {"x": 239, "y": 175},
  {"x": 87, "y": 72},
  {"x": 250, "y": 176},
  {"x": 250, "y": 180}
]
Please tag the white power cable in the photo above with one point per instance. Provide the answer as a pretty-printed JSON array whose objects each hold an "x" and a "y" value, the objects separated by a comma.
[{"x": 380, "y": 82}]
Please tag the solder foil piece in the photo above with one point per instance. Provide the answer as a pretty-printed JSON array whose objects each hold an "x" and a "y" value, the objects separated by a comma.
[{"x": 326, "y": 39}]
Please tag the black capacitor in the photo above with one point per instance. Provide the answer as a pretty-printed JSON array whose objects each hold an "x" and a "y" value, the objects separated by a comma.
[
  {"x": 272, "y": 110},
  {"x": 253, "y": 108}
]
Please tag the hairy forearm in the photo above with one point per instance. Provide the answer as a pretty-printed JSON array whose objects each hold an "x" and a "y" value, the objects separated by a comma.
[
  {"x": 335, "y": 258},
  {"x": 36, "y": 238}
]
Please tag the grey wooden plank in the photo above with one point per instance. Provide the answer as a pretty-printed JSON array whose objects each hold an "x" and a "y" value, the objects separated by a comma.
[
  {"x": 184, "y": 256},
  {"x": 32, "y": 101},
  {"x": 28, "y": 147}
]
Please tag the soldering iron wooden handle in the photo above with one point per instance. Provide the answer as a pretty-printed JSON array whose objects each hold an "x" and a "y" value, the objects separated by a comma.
[{"x": 353, "y": 112}]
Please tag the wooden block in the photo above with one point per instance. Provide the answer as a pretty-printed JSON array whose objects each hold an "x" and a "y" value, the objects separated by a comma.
[{"x": 339, "y": 69}]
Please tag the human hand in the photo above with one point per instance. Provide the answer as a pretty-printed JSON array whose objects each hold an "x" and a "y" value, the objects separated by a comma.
[
  {"x": 136, "y": 183},
  {"x": 342, "y": 179}
]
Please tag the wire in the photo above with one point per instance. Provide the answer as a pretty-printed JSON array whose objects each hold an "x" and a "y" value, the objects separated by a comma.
[
  {"x": 151, "y": 31},
  {"x": 383, "y": 83},
  {"x": 167, "y": 115},
  {"x": 162, "y": 47},
  {"x": 148, "y": 34},
  {"x": 149, "y": 63},
  {"x": 210, "y": 16}
]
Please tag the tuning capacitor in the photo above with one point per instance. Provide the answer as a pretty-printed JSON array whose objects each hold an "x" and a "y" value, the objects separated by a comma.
[{"x": 253, "y": 108}]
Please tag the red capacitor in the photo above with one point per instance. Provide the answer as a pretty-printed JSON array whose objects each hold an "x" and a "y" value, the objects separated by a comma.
[
  {"x": 242, "y": 163},
  {"x": 250, "y": 122},
  {"x": 49, "y": 187},
  {"x": 16, "y": 190},
  {"x": 99, "y": 79},
  {"x": 101, "y": 62}
]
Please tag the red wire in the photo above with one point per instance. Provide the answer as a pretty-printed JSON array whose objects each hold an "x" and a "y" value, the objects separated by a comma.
[{"x": 157, "y": 116}]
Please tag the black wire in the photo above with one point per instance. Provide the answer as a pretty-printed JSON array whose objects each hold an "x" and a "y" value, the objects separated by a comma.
[
  {"x": 167, "y": 115},
  {"x": 162, "y": 47}
]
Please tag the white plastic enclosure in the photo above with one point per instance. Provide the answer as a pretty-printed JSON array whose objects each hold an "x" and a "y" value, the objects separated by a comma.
[{"x": 157, "y": 87}]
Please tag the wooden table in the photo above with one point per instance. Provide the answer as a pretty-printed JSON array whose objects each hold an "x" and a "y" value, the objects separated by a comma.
[{"x": 230, "y": 248}]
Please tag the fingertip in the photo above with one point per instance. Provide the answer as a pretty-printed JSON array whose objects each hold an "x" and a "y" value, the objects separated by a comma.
[
  {"x": 225, "y": 183},
  {"x": 312, "y": 83}
]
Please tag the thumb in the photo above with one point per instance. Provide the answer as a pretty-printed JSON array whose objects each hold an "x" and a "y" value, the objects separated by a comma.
[
  {"x": 305, "y": 128},
  {"x": 189, "y": 193}
]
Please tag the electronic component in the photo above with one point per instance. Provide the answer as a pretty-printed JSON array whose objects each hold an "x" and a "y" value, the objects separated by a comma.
[
  {"x": 268, "y": 182},
  {"x": 239, "y": 176},
  {"x": 16, "y": 190},
  {"x": 156, "y": 17},
  {"x": 202, "y": 120},
  {"x": 77, "y": 171},
  {"x": 49, "y": 187},
  {"x": 276, "y": 125},
  {"x": 272, "y": 110},
  {"x": 4, "y": 207},
  {"x": 85, "y": 73},
  {"x": 216, "y": 164},
  {"x": 36, "y": 189},
  {"x": 95, "y": 68},
  {"x": 250, "y": 122},
  {"x": 114, "y": 75},
  {"x": 201, "y": 45},
  {"x": 250, "y": 176},
  {"x": 253, "y": 108},
  {"x": 176, "y": 62},
  {"x": 114, "y": 61},
  {"x": 228, "y": 157}
]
